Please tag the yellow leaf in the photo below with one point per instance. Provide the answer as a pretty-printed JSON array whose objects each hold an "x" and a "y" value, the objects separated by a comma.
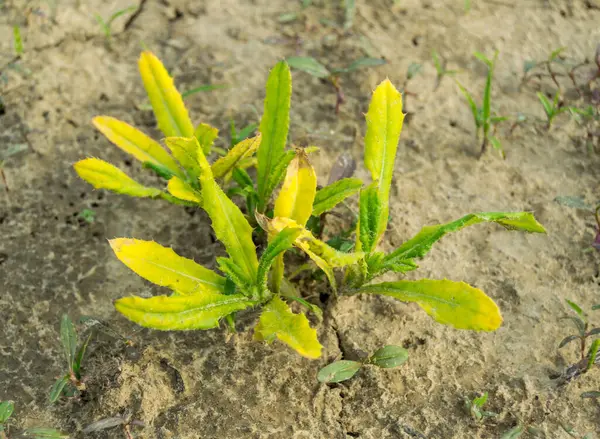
[
  {"x": 206, "y": 135},
  {"x": 181, "y": 312},
  {"x": 103, "y": 175},
  {"x": 171, "y": 114},
  {"x": 136, "y": 143},
  {"x": 384, "y": 124},
  {"x": 451, "y": 303},
  {"x": 229, "y": 223},
  {"x": 180, "y": 189},
  {"x": 295, "y": 200},
  {"x": 162, "y": 266},
  {"x": 185, "y": 150},
  {"x": 242, "y": 150},
  {"x": 278, "y": 321}
]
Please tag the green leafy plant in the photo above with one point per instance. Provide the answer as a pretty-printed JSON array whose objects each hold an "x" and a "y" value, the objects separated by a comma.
[
  {"x": 483, "y": 116},
  {"x": 71, "y": 382},
  {"x": 552, "y": 108},
  {"x": 475, "y": 408},
  {"x": 6, "y": 410},
  {"x": 315, "y": 68},
  {"x": 588, "y": 356},
  {"x": 201, "y": 297},
  {"x": 88, "y": 215},
  {"x": 106, "y": 25},
  {"x": 387, "y": 357},
  {"x": 180, "y": 168},
  {"x": 440, "y": 67}
]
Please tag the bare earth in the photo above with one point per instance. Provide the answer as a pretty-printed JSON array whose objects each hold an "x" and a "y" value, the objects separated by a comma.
[{"x": 203, "y": 385}]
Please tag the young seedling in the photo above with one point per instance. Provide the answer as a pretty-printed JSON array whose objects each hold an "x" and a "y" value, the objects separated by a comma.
[
  {"x": 484, "y": 118},
  {"x": 313, "y": 67},
  {"x": 440, "y": 67},
  {"x": 387, "y": 357},
  {"x": 180, "y": 168},
  {"x": 533, "y": 69},
  {"x": 88, "y": 215},
  {"x": 588, "y": 357},
  {"x": 6, "y": 411},
  {"x": 71, "y": 382},
  {"x": 202, "y": 297},
  {"x": 475, "y": 408},
  {"x": 106, "y": 26},
  {"x": 552, "y": 108}
]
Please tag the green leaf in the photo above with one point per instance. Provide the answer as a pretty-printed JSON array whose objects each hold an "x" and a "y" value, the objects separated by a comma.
[
  {"x": 57, "y": 388},
  {"x": 182, "y": 190},
  {"x": 338, "y": 371},
  {"x": 235, "y": 274},
  {"x": 181, "y": 312},
  {"x": 384, "y": 124},
  {"x": 167, "y": 103},
  {"x": 279, "y": 170},
  {"x": 282, "y": 242},
  {"x": 103, "y": 175},
  {"x": 68, "y": 338},
  {"x": 487, "y": 93},
  {"x": 17, "y": 40},
  {"x": 472, "y": 104},
  {"x": 389, "y": 357},
  {"x": 206, "y": 135},
  {"x": 245, "y": 148},
  {"x": 333, "y": 194},
  {"x": 162, "y": 266},
  {"x": 45, "y": 433},
  {"x": 6, "y": 410},
  {"x": 451, "y": 303},
  {"x": 201, "y": 88},
  {"x": 361, "y": 63},
  {"x": 480, "y": 400},
  {"x": 593, "y": 353},
  {"x": 576, "y": 308},
  {"x": 185, "y": 150},
  {"x": 565, "y": 341},
  {"x": 228, "y": 222},
  {"x": 421, "y": 243},
  {"x": 548, "y": 108},
  {"x": 274, "y": 127},
  {"x": 370, "y": 211},
  {"x": 308, "y": 65},
  {"x": 278, "y": 321},
  {"x": 555, "y": 53},
  {"x": 134, "y": 142},
  {"x": 79, "y": 357}
]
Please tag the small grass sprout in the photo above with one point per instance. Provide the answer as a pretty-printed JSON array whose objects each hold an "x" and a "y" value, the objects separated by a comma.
[
  {"x": 17, "y": 41},
  {"x": 484, "y": 118},
  {"x": 440, "y": 68},
  {"x": 332, "y": 75},
  {"x": 475, "y": 408},
  {"x": 71, "y": 383},
  {"x": 552, "y": 108},
  {"x": 201, "y": 297},
  {"x": 6, "y": 410},
  {"x": 106, "y": 25},
  {"x": 387, "y": 357}
]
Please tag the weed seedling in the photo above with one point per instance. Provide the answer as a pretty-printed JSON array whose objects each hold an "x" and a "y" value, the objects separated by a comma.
[
  {"x": 106, "y": 26},
  {"x": 70, "y": 384},
  {"x": 17, "y": 41},
  {"x": 386, "y": 358},
  {"x": 552, "y": 108},
  {"x": 88, "y": 215},
  {"x": 315, "y": 68},
  {"x": 202, "y": 297},
  {"x": 475, "y": 408},
  {"x": 484, "y": 118},
  {"x": 6, "y": 411},
  {"x": 440, "y": 67},
  {"x": 588, "y": 357}
]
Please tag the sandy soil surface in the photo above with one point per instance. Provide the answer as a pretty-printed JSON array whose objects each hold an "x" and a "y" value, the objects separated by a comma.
[{"x": 206, "y": 385}]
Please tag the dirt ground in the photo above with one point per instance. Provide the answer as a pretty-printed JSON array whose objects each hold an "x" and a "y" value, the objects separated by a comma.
[{"x": 204, "y": 385}]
